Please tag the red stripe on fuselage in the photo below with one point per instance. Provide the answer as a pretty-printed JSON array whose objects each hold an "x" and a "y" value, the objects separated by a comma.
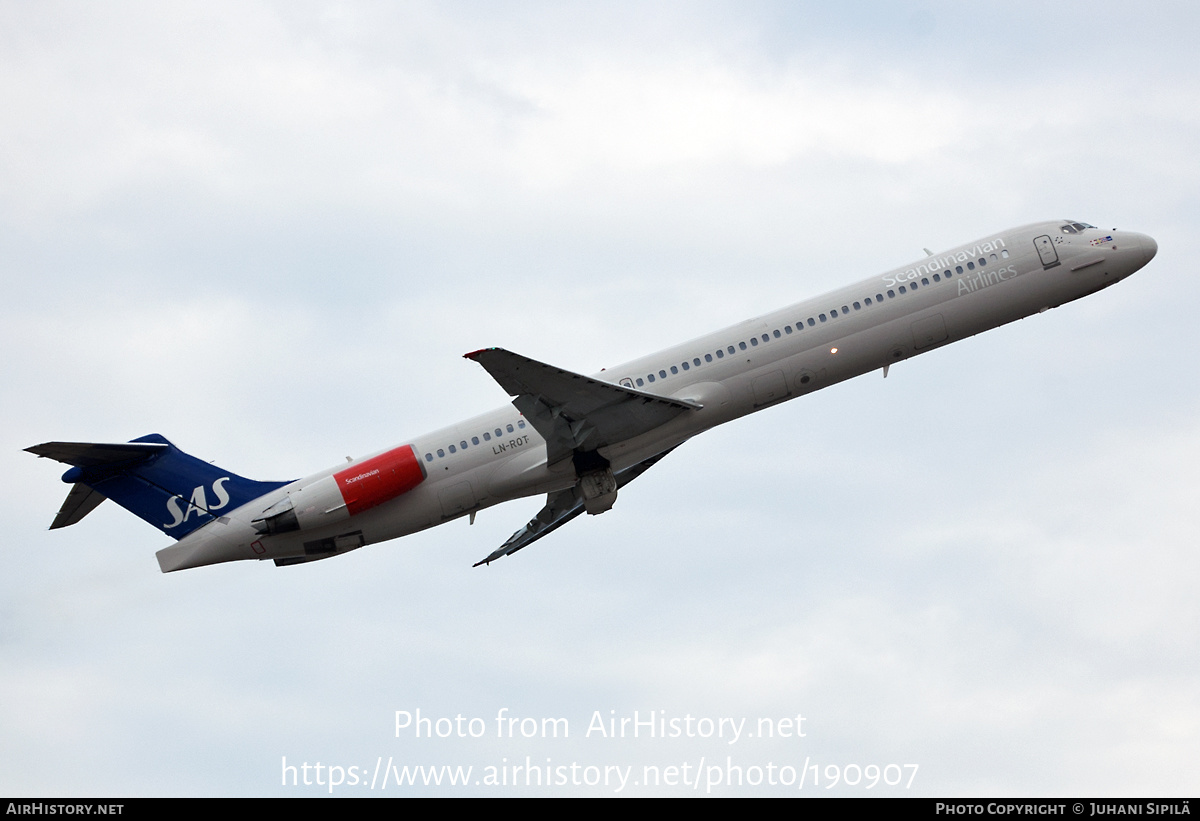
[{"x": 379, "y": 478}]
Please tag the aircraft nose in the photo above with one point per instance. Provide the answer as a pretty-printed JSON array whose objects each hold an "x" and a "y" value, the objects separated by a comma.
[
  {"x": 1149, "y": 247},
  {"x": 1146, "y": 246}
]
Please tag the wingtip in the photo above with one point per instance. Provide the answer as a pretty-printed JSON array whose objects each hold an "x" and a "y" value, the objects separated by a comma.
[{"x": 473, "y": 355}]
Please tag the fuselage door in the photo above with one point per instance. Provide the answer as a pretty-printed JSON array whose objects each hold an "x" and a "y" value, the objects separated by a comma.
[
  {"x": 456, "y": 499},
  {"x": 770, "y": 387},
  {"x": 1046, "y": 252},
  {"x": 929, "y": 331}
]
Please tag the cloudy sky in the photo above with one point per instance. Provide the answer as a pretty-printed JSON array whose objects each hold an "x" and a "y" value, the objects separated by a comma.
[{"x": 269, "y": 231}]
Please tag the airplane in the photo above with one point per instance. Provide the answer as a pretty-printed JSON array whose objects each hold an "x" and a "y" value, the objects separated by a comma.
[{"x": 581, "y": 439}]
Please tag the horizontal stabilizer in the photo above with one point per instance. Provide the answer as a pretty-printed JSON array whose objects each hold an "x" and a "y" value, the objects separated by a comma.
[
  {"x": 152, "y": 479},
  {"x": 92, "y": 454},
  {"x": 81, "y": 501}
]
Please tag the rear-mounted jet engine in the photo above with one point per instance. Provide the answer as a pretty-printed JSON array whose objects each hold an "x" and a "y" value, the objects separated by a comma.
[{"x": 333, "y": 498}]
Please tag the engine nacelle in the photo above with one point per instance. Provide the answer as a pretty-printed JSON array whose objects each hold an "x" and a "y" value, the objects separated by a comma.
[{"x": 359, "y": 487}]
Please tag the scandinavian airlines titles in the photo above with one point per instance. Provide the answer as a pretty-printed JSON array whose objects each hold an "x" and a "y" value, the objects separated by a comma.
[{"x": 935, "y": 265}]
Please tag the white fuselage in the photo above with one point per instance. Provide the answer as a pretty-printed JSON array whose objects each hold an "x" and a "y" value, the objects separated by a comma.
[{"x": 804, "y": 347}]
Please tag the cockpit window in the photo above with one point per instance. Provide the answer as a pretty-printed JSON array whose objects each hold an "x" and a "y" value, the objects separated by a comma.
[{"x": 1074, "y": 227}]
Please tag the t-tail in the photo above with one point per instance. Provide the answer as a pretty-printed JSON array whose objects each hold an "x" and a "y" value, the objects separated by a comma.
[{"x": 152, "y": 479}]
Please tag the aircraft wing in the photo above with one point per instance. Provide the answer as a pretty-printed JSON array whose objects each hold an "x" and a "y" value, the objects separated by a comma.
[
  {"x": 561, "y": 507},
  {"x": 572, "y": 411}
]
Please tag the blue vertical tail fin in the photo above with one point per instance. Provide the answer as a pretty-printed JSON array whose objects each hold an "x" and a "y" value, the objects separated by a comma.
[{"x": 150, "y": 478}]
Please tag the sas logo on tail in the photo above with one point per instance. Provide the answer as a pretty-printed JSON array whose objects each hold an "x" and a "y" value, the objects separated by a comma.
[{"x": 198, "y": 505}]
